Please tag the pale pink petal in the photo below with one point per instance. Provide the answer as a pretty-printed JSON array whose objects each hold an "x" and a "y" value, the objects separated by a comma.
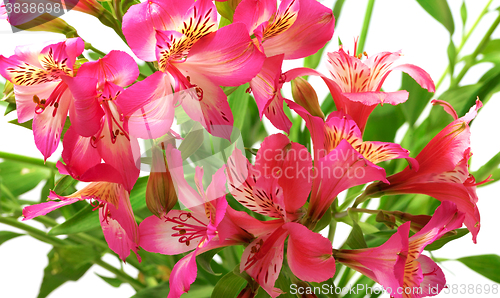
[
  {"x": 116, "y": 67},
  {"x": 348, "y": 72},
  {"x": 186, "y": 194},
  {"x": 33, "y": 211},
  {"x": 262, "y": 260},
  {"x": 227, "y": 57},
  {"x": 148, "y": 106},
  {"x": 253, "y": 13},
  {"x": 217, "y": 187},
  {"x": 125, "y": 216},
  {"x": 373, "y": 98},
  {"x": 309, "y": 254},
  {"x": 381, "y": 151},
  {"x": 116, "y": 237},
  {"x": 163, "y": 235},
  {"x": 24, "y": 98},
  {"x": 312, "y": 29},
  {"x": 86, "y": 114},
  {"x": 22, "y": 73},
  {"x": 48, "y": 125},
  {"x": 209, "y": 107},
  {"x": 434, "y": 279},
  {"x": 143, "y": 19}
]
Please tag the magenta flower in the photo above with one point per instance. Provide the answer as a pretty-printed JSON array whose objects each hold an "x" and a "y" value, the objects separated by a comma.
[
  {"x": 326, "y": 136},
  {"x": 278, "y": 186},
  {"x": 181, "y": 231},
  {"x": 98, "y": 131},
  {"x": 183, "y": 37},
  {"x": 443, "y": 172},
  {"x": 41, "y": 94},
  {"x": 399, "y": 265},
  {"x": 115, "y": 214},
  {"x": 298, "y": 28},
  {"x": 356, "y": 84}
]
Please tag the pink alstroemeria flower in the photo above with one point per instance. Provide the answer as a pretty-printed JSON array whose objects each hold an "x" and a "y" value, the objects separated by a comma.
[
  {"x": 192, "y": 55},
  {"x": 443, "y": 173},
  {"x": 115, "y": 214},
  {"x": 327, "y": 134},
  {"x": 356, "y": 84},
  {"x": 398, "y": 265},
  {"x": 278, "y": 186},
  {"x": 297, "y": 29},
  {"x": 98, "y": 131},
  {"x": 40, "y": 92}
]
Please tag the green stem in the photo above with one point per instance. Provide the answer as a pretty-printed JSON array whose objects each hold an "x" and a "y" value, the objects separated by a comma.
[
  {"x": 42, "y": 236},
  {"x": 137, "y": 285},
  {"x": 26, "y": 159},
  {"x": 472, "y": 59},
  {"x": 366, "y": 25},
  {"x": 464, "y": 40},
  {"x": 88, "y": 46},
  {"x": 331, "y": 230}
]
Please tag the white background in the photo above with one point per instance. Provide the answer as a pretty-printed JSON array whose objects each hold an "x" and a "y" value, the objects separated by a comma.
[{"x": 396, "y": 24}]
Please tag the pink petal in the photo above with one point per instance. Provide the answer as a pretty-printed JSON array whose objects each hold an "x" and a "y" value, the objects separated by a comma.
[
  {"x": 312, "y": 29},
  {"x": 86, "y": 114},
  {"x": 373, "y": 97},
  {"x": 116, "y": 67},
  {"x": 48, "y": 125},
  {"x": 227, "y": 57},
  {"x": 183, "y": 275},
  {"x": 163, "y": 236},
  {"x": 33, "y": 211},
  {"x": 348, "y": 72},
  {"x": 217, "y": 187},
  {"x": 212, "y": 109},
  {"x": 143, "y": 19},
  {"x": 62, "y": 56},
  {"x": 125, "y": 216},
  {"x": 309, "y": 254},
  {"x": 262, "y": 260},
  {"x": 78, "y": 153},
  {"x": 288, "y": 162},
  {"x": 419, "y": 75},
  {"x": 120, "y": 155},
  {"x": 253, "y": 13},
  {"x": 341, "y": 169},
  {"x": 266, "y": 84},
  {"x": 274, "y": 112},
  {"x": 381, "y": 151},
  {"x": 21, "y": 73}
]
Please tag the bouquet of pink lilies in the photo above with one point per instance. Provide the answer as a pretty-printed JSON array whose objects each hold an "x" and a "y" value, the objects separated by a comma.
[{"x": 177, "y": 166}]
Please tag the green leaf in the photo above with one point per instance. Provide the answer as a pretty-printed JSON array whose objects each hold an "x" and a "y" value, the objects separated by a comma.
[
  {"x": 7, "y": 235},
  {"x": 230, "y": 285},
  {"x": 225, "y": 10},
  {"x": 206, "y": 258},
  {"x": 21, "y": 177},
  {"x": 445, "y": 239},
  {"x": 440, "y": 11},
  {"x": 492, "y": 47},
  {"x": 238, "y": 101},
  {"x": 488, "y": 168},
  {"x": 313, "y": 60},
  {"x": 114, "y": 282},
  {"x": 417, "y": 99},
  {"x": 65, "y": 184},
  {"x": 452, "y": 56},
  {"x": 383, "y": 123},
  {"x": 49, "y": 184},
  {"x": 486, "y": 265},
  {"x": 10, "y": 108},
  {"x": 337, "y": 8},
  {"x": 66, "y": 263},
  {"x": 463, "y": 14},
  {"x": 138, "y": 194},
  {"x": 160, "y": 291},
  {"x": 378, "y": 238},
  {"x": 356, "y": 239},
  {"x": 27, "y": 124},
  {"x": 82, "y": 221}
]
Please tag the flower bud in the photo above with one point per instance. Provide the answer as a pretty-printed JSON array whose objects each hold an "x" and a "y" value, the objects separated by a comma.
[
  {"x": 47, "y": 23},
  {"x": 247, "y": 292},
  {"x": 160, "y": 192},
  {"x": 304, "y": 94},
  {"x": 91, "y": 7}
]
